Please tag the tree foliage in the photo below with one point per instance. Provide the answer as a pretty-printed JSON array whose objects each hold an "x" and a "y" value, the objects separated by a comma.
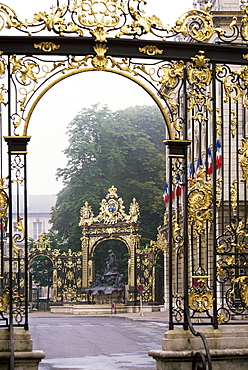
[
  {"x": 41, "y": 269},
  {"x": 123, "y": 148}
]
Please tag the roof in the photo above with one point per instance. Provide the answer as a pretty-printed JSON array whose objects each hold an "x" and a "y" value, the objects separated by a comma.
[
  {"x": 41, "y": 203},
  {"x": 36, "y": 203}
]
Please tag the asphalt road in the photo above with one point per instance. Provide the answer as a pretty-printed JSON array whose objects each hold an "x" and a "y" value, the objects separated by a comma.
[{"x": 96, "y": 343}]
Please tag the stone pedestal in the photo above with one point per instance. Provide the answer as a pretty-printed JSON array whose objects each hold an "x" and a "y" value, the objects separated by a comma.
[
  {"x": 25, "y": 357},
  {"x": 228, "y": 347}
]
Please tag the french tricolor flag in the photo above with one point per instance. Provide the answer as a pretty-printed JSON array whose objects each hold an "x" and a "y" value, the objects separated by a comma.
[
  {"x": 178, "y": 186},
  {"x": 209, "y": 166},
  {"x": 199, "y": 163},
  {"x": 166, "y": 192},
  {"x": 191, "y": 170},
  {"x": 218, "y": 154}
]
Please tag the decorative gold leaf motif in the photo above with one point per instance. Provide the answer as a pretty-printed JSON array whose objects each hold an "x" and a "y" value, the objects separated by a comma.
[
  {"x": 160, "y": 243},
  {"x": 171, "y": 97},
  {"x": 87, "y": 215},
  {"x": 220, "y": 319},
  {"x": 244, "y": 293},
  {"x": 231, "y": 84},
  {"x": 199, "y": 99},
  {"x": 20, "y": 228},
  {"x": 177, "y": 236},
  {"x": 100, "y": 61},
  {"x": 141, "y": 25},
  {"x": 244, "y": 23},
  {"x": 239, "y": 282},
  {"x": 98, "y": 13},
  {"x": 18, "y": 237},
  {"x": 2, "y": 65},
  {"x": 16, "y": 249},
  {"x": 233, "y": 123},
  {"x": 100, "y": 17},
  {"x": 25, "y": 69},
  {"x": 56, "y": 21},
  {"x": 145, "y": 277},
  {"x": 46, "y": 46},
  {"x": 219, "y": 191},
  {"x": 243, "y": 74},
  {"x": 199, "y": 74},
  {"x": 200, "y": 200},
  {"x": 100, "y": 34},
  {"x": 151, "y": 50},
  {"x": 200, "y": 298},
  {"x": 171, "y": 74},
  {"x": 9, "y": 18},
  {"x": 112, "y": 210},
  {"x": 4, "y": 302},
  {"x": 4, "y": 201},
  {"x": 42, "y": 243},
  {"x": 134, "y": 211},
  {"x": 234, "y": 196},
  {"x": 218, "y": 122},
  {"x": 244, "y": 159}
]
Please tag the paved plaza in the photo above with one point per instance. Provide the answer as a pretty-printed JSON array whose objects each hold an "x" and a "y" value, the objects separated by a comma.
[{"x": 97, "y": 343}]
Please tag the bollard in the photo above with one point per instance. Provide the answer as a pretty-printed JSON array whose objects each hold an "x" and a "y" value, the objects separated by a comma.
[{"x": 113, "y": 311}]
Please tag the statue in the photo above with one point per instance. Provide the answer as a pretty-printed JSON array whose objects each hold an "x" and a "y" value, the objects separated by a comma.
[
  {"x": 111, "y": 265},
  {"x": 110, "y": 283}
]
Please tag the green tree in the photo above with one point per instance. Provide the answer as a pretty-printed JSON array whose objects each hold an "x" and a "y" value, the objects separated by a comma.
[
  {"x": 123, "y": 148},
  {"x": 41, "y": 269}
]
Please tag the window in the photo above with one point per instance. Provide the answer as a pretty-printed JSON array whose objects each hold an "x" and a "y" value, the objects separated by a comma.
[{"x": 37, "y": 229}]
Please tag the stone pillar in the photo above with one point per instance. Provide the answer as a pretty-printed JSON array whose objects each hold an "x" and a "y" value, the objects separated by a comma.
[
  {"x": 25, "y": 357},
  {"x": 228, "y": 347}
]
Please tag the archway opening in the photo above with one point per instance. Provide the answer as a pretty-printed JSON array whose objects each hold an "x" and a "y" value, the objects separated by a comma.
[
  {"x": 40, "y": 282},
  {"x": 55, "y": 109},
  {"x": 101, "y": 254}
]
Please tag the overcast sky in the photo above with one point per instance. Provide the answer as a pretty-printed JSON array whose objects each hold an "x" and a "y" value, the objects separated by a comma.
[{"x": 61, "y": 103}]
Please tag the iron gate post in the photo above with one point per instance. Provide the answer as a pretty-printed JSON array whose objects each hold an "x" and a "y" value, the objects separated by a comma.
[{"x": 177, "y": 149}]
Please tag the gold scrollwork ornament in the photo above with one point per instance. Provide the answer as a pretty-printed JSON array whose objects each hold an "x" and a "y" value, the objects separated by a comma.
[
  {"x": 151, "y": 50},
  {"x": 47, "y": 46},
  {"x": 201, "y": 32}
]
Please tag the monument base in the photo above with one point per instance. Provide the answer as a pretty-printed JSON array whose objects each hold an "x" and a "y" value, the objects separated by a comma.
[
  {"x": 24, "y": 356},
  {"x": 115, "y": 297},
  {"x": 228, "y": 347}
]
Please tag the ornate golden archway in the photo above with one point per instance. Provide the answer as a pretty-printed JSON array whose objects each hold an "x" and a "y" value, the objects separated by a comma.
[
  {"x": 202, "y": 90},
  {"x": 112, "y": 222}
]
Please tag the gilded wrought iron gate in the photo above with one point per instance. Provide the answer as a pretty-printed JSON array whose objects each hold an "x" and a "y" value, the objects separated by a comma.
[
  {"x": 200, "y": 85},
  {"x": 66, "y": 271}
]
